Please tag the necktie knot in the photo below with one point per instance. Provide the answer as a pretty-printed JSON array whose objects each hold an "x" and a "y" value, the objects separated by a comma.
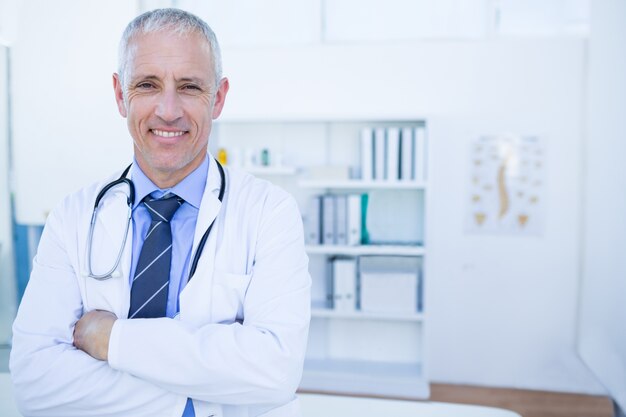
[{"x": 163, "y": 209}]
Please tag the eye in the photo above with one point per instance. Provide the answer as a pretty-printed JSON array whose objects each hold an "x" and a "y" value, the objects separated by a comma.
[
  {"x": 191, "y": 88},
  {"x": 144, "y": 86}
]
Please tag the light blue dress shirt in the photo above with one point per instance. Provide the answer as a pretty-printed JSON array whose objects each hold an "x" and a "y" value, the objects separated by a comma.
[{"x": 183, "y": 226}]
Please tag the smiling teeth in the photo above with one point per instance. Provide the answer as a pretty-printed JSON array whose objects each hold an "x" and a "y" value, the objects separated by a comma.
[{"x": 167, "y": 134}]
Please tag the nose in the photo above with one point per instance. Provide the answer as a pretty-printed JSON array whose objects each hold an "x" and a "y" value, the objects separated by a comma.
[{"x": 169, "y": 107}]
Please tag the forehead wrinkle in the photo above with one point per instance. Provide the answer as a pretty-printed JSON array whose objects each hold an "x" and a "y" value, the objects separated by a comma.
[
  {"x": 135, "y": 52},
  {"x": 137, "y": 76},
  {"x": 192, "y": 72}
]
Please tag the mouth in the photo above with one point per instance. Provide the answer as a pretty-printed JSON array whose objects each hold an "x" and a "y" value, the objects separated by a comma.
[{"x": 168, "y": 134}]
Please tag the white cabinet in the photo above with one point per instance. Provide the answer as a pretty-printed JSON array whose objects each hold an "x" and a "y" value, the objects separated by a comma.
[{"x": 353, "y": 352}]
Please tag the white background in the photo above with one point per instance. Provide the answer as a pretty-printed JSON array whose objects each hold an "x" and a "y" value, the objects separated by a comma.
[{"x": 502, "y": 311}]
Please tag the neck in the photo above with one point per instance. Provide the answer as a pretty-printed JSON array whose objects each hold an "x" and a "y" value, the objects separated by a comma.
[{"x": 168, "y": 178}]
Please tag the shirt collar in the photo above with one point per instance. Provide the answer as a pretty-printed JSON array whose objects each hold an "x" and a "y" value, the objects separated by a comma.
[{"x": 190, "y": 189}]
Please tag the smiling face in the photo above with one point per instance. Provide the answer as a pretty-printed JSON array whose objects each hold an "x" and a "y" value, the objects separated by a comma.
[{"x": 170, "y": 102}]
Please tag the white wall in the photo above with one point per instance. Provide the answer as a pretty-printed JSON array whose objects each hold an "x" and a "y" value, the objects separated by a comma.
[
  {"x": 66, "y": 125},
  {"x": 8, "y": 21},
  {"x": 501, "y": 310},
  {"x": 603, "y": 301}
]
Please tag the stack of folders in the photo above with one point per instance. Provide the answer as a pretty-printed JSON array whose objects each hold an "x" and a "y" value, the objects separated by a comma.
[
  {"x": 377, "y": 284},
  {"x": 344, "y": 288},
  {"x": 394, "y": 154},
  {"x": 336, "y": 220}
]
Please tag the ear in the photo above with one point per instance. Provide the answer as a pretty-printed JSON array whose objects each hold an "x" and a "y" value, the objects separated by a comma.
[
  {"x": 119, "y": 95},
  {"x": 220, "y": 97}
]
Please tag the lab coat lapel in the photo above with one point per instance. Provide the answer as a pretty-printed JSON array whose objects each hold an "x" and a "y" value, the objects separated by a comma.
[
  {"x": 210, "y": 205},
  {"x": 195, "y": 297},
  {"x": 111, "y": 294}
]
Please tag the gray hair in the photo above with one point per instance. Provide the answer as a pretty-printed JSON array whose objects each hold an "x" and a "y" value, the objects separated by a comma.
[{"x": 175, "y": 21}]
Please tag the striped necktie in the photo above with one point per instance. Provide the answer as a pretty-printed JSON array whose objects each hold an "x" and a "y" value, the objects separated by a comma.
[{"x": 148, "y": 294}]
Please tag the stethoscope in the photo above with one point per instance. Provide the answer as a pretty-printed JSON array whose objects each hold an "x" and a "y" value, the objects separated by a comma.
[{"x": 130, "y": 200}]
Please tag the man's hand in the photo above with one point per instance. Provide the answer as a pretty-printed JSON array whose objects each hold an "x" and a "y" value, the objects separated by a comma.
[{"x": 92, "y": 333}]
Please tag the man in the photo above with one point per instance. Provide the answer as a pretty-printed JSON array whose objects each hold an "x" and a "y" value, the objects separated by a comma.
[{"x": 223, "y": 333}]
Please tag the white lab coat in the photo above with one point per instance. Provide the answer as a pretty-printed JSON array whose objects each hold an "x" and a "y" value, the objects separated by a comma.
[{"x": 237, "y": 347}]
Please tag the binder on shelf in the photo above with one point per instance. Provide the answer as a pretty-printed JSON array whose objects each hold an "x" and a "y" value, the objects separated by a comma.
[
  {"x": 393, "y": 154},
  {"x": 313, "y": 227},
  {"x": 406, "y": 154},
  {"x": 344, "y": 285},
  {"x": 365, "y": 236},
  {"x": 341, "y": 221},
  {"x": 367, "y": 154},
  {"x": 379, "y": 154},
  {"x": 420, "y": 289},
  {"x": 354, "y": 219},
  {"x": 419, "y": 152},
  {"x": 329, "y": 233}
]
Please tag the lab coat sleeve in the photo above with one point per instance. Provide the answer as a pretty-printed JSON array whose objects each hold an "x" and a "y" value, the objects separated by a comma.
[
  {"x": 53, "y": 378},
  {"x": 256, "y": 362}
]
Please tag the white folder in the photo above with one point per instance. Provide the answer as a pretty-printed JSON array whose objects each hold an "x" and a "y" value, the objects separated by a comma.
[
  {"x": 354, "y": 219},
  {"x": 420, "y": 158},
  {"x": 367, "y": 154},
  {"x": 329, "y": 234},
  {"x": 312, "y": 223},
  {"x": 341, "y": 223},
  {"x": 406, "y": 154},
  {"x": 344, "y": 285},
  {"x": 393, "y": 154},
  {"x": 379, "y": 154}
]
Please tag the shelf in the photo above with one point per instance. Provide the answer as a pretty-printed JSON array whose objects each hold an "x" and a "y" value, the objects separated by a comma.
[
  {"x": 352, "y": 352},
  {"x": 262, "y": 170},
  {"x": 358, "y": 184},
  {"x": 401, "y": 250},
  {"x": 363, "y": 315},
  {"x": 361, "y": 377}
]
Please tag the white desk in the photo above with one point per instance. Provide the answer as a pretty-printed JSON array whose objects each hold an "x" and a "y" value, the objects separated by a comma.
[{"x": 314, "y": 405}]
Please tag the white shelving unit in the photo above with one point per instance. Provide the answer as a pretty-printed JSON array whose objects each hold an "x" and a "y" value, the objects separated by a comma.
[
  {"x": 391, "y": 379},
  {"x": 405, "y": 250},
  {"x": 354, "y": 352},
  {"x": 362, "y": 185},
  {"x": 271, "y": 170},
  {"x": 361, "y": 315}
]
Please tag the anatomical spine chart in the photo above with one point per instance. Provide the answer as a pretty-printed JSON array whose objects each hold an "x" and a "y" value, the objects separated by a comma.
[{"x": 507, "y": 175}]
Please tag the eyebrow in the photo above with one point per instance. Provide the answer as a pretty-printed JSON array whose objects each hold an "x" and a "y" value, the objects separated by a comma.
[
  {"x": 195, "y": 80},
  {"x": 144, "y": 78}
]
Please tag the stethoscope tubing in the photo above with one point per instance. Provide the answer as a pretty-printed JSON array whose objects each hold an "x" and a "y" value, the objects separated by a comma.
[
  {"x": 130, "y": 200},
  {"x": 205, "y": 236}
]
